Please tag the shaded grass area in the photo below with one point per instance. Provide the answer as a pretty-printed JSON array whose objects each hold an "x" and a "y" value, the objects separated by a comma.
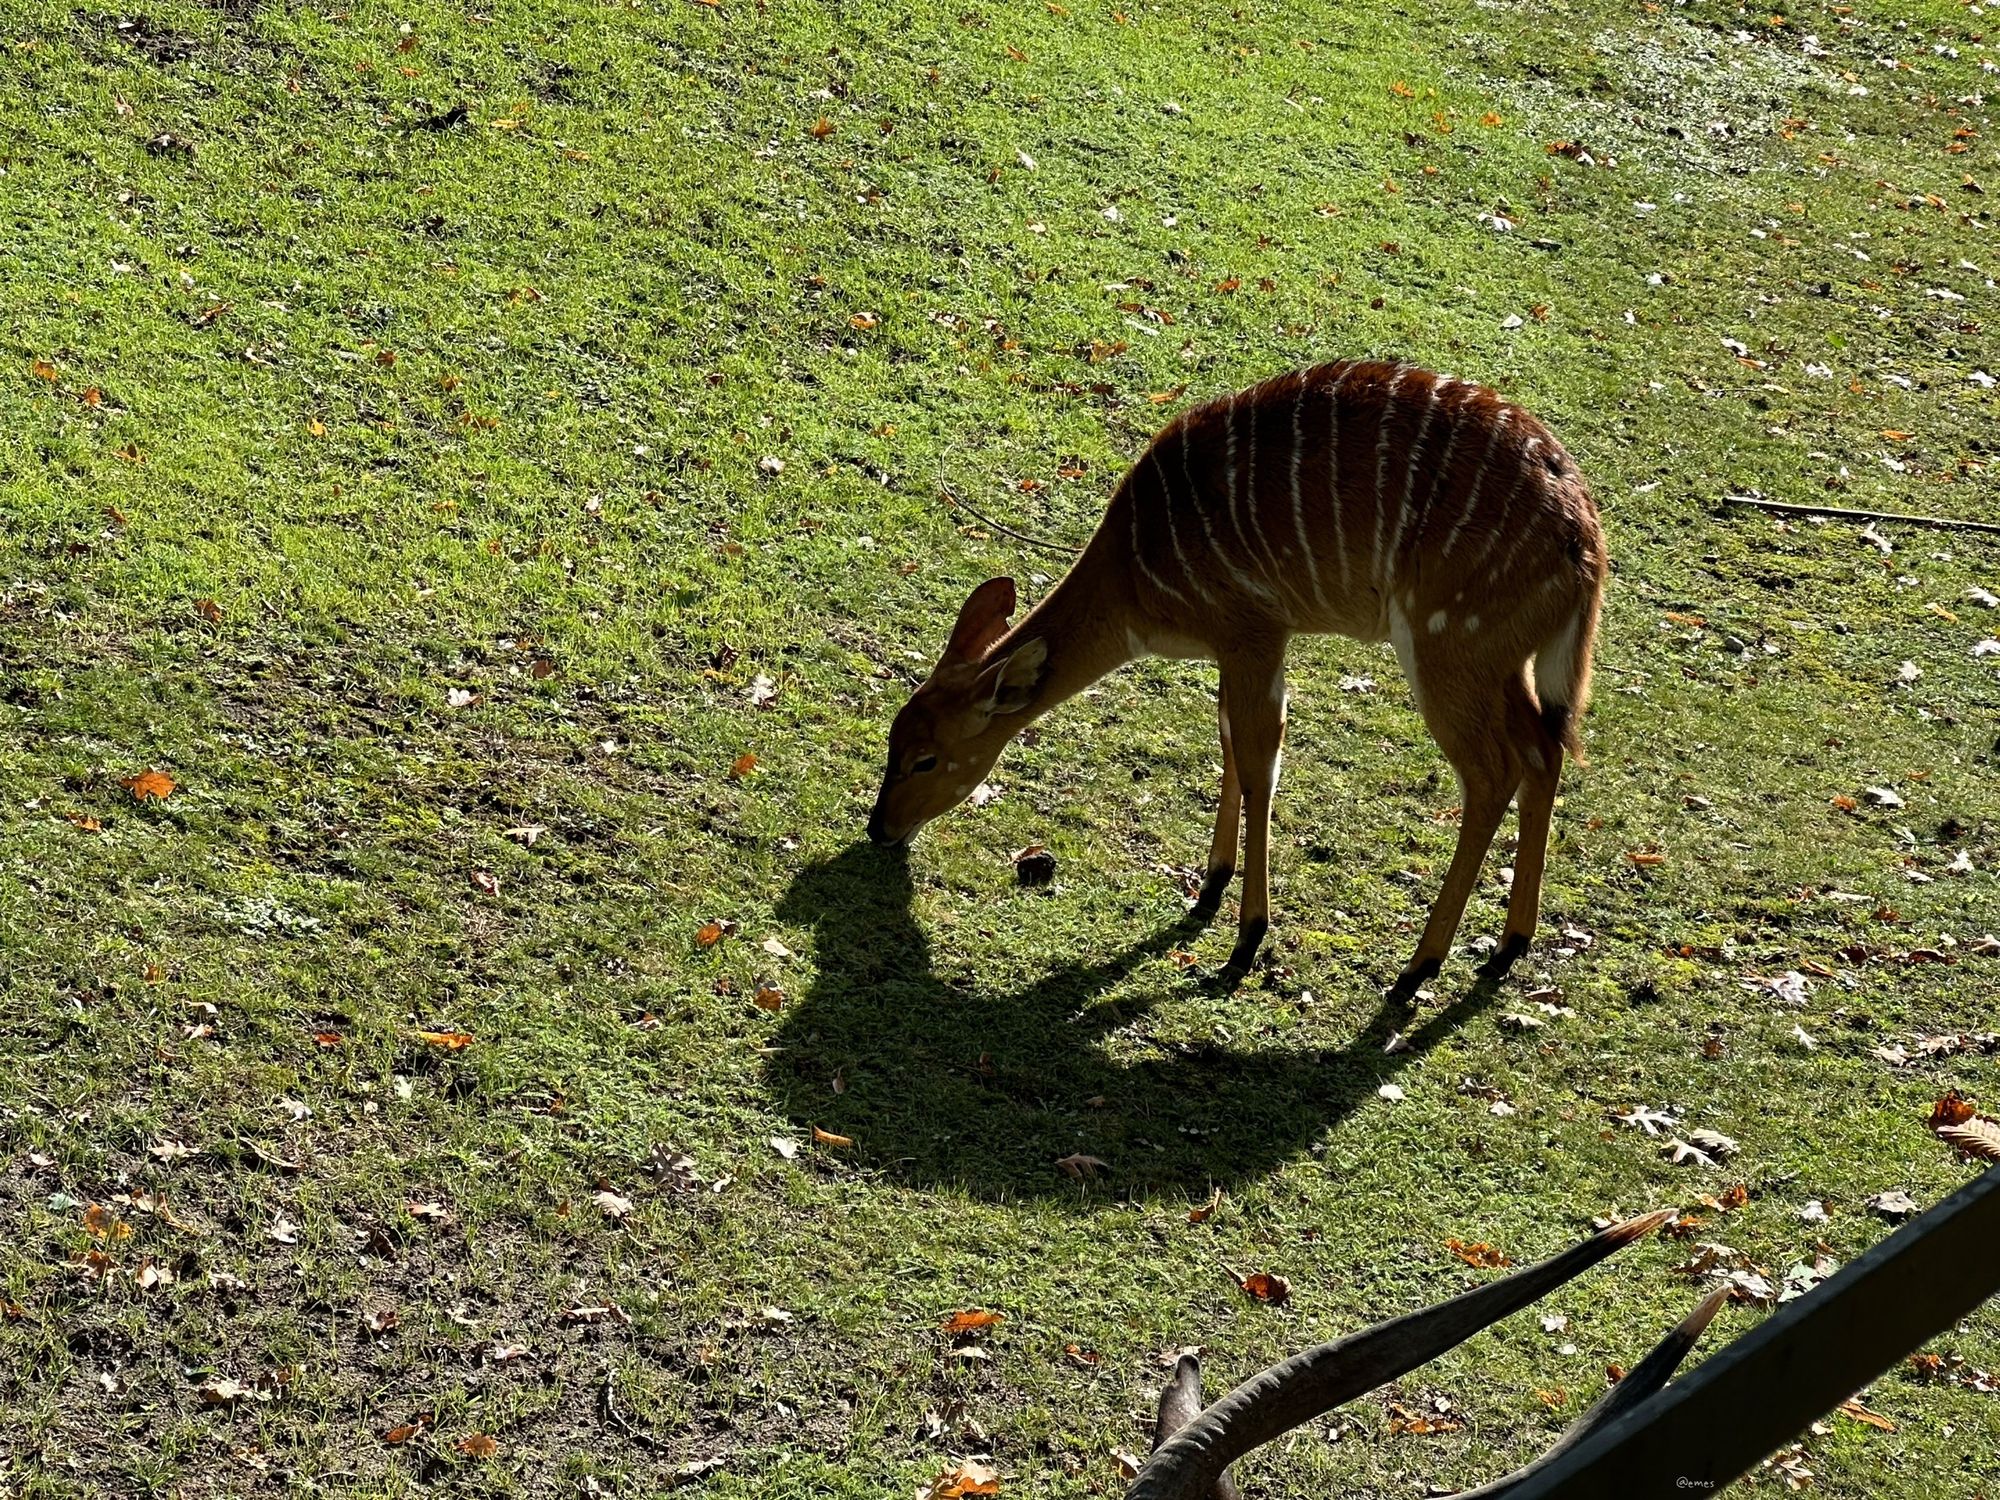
[{"x": 328, "y": 400}]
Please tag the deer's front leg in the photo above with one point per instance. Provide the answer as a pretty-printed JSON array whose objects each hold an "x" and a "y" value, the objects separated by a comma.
[
  {"x": 1254, "y": 689},
  {"x": 1228, "y": 824}
]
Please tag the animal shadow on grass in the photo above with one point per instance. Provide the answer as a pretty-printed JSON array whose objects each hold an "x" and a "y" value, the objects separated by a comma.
[{"x": 942, "y": 1083}]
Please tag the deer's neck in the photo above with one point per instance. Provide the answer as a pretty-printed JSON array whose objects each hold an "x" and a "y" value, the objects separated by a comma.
[{"x": 1085, "y": 621}]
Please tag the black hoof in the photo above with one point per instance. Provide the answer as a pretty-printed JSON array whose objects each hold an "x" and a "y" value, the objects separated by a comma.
[
  {"x": 1244, "y": 955},
  {"x": 1412, "y": 979},
  {"x": 1213, "y": 884},
  {"x": 1504, "y": 957}
]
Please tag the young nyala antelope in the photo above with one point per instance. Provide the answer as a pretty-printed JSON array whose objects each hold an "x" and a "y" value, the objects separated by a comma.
[{"x": 1379, "y": 501}]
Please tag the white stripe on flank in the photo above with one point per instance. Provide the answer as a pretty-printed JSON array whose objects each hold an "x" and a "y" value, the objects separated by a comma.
[
  {"x": 1336, "y": 507},
  {"x": 1472, "y": 491},
  {"x": 1139, "y": 553},
  {"x": 1507, "y": 509},
  {"x": 1253, "y": 502},
  {"x": 1404, "y": 512},
  {"x": 1241, "y": 579},
  {"x": 1174, "y": 531},
  {"x": 1298, "y": 498},
  {"x": 1443, "y": 477},
  {"x": 1382, "y": 472}
]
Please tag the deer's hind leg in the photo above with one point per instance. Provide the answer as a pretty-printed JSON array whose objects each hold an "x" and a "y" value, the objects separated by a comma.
[
  {"x": 1543, "y": 754},
  {"x": 1228, "y": 822}
]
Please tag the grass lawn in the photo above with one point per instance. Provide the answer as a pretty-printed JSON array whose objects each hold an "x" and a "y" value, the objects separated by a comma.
[{"x": 450, "y": 445}]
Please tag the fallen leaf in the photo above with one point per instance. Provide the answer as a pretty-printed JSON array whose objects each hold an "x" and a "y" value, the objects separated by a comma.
[
  {"x": 963, "y": 1479},
  {"x": 1478, "y": 1254},
  {"x": 828, "y": 1138},
  {"x": 399, "y": 1435},
  {"x": 1979, "y": 1138},
  {"x": 1645, "y": 858},
  {"x": 1079, "y": 1165},
  {"x": 768, "y": 997},
  {"x": 966, "y": 1322},
  {"x": 225, "y": 1392},
  {"x": 450, "y": 1041},
  {"x": 526, "y": 834},
  {"x": 327, "y": 1038},
  {"x": 613, "y": 1205},
  {"x": 100, "y": 1223},
  {"x": 1265, "y": 1287},
  {"x": 712, "y": 932},
  {"x": 742, "y": 766},
  {"x": 788, "y": 1149},
  {"x": 478, "y": 1445},
  {"x": 1391, "y": 1092},
  {"x": 209, "y": 610},
  {"x": 1681, "y": 1151},
  {"x": 601, "y": 1312},
  {"x": 1201, "y": 1213},
  {"x": 382, "y": 1320},
  {"x": 1953, "y": 1109},
  {"x": 1895, "y": 1204},
  {"x": 430, "y": 1213},
  {"x": 1853, "y": 1408},
  {"x": 486, "y": 881},
  {"x": 822, "y": 128},
  {"x": 156, "y": 784},
  {"x": 283, "y": 1230}
]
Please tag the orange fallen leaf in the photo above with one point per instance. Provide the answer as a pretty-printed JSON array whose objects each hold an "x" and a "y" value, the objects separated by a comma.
[
  {"x": 1265, "y": 1287},
  {"x": 1645, "y": 858},
  {"x": 327, "y": 1038},
  {"x": 828, "y": 1138},
  {"x": 402, "y": 1434},
  {"x": 1953, "y": 1109},
  {"x": 100, "y": 1223},
  {"x": 43, "y": 370},
  {"x": 710, "y": 933},
  {"x": 1201, "y": 1213},
  {"x": 1894, "y": 436},
  {"x": 315, "y": 426},
  {"x": 965, "y": 1322},
  {"x": 1229, "y": 284},
  {"x": 822, "y": 128},
  {"x": 155, "y": 784},
  {"x": 451, "y": 1041},
  {"x": 967, "y": 1478},
  {"x": 1490, "y": 119},
  {"x": 209, "y": 610},
  {"x": 1734, "y": 1196},
  {"x": 82, "y": 820},
  {"x": 1478, "y": 1253},
  {"x": 742, "y": 766},
  {"x": 863, "y": 320},
  {"x": 768, "y": 997},
  {"x": 1846, "y": 804},
  {"x": 92, "y": 397}
]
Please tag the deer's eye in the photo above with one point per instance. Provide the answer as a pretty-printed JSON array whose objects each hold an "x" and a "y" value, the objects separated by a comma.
[{"x": 922, "y": 764}]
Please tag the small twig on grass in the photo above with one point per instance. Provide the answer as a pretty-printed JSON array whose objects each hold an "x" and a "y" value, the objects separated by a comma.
[
  {"x": 1943, "y": 523},
  {"x": 609, "y": 1405},
  {"x": 1019, "y": 536}
]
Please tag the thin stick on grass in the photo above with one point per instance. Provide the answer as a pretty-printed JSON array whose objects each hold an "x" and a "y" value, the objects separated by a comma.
[{"x": 1942, "y": 523}]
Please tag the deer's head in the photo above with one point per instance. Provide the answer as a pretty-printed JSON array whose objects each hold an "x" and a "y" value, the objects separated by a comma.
[{"x": 954, "y": 727}]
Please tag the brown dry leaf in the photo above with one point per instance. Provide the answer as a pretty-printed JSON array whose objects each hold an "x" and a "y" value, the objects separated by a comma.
[
  {"x": 1953, "y": 1109},
  {"x": 822, "y": 128},
  {"x": 166, "y": 1148},
  {"x": 1229, "y": 284},
  {"x": 863, "y": 321},
  {"x": 965, "y": 1322},
  {"x": 450, "y": 1041},
  {"x": 1490, "y": 119},
  {"x": 82, "y": 821},
  {"x": 156, "y": 784},
  {"x": 742, "y": 766},
  {"x": 327, "y": 1038},
  {"x": 968, "y": 1478},
  {"x": 769, "y": 997},
  {"x": 1478, "y": 1253},
  {"x": 1853, "y": 1408},
  {"x": 41, "y": 369},
  {"x": 487, "y": 882},
  {"x": 1979, "y": 1138},
  {"x": 1554, "y": 1400},
  {"x": 430, "y": 1213},
  {"x": 1079, "y": 1165},
  {"x": 1201, "y": 1213},
  {"x": 1846, "y": 803},
  {"x": 225, "y": 1392},
  {"x": 1734, "y": 1196},
  {"x": 1402, "y": 1420},
  {"x": 712, "y": 932},
  {"x": 381, "y": 1320},
  {"x": 398, "y": 1435},
  {"x": 100, "y": 1223},
  {"x": 614, "y": 1206},
  {"x": 1645, "y": 858},
  {"x": 478, "y": 1445},
  {"x": 209, "y": 610},
  {"x": 828, "y": 1138},
  {"x": 1265, "y": 1287}
]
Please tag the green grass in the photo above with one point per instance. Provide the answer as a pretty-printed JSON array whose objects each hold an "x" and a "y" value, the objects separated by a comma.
[{"x": 629, "y": 275}]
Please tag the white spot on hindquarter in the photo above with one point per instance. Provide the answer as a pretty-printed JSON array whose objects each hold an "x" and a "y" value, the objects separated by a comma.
[
  {"x": 1471, "y": 623},
  {"x": 1437, "y": 622}
]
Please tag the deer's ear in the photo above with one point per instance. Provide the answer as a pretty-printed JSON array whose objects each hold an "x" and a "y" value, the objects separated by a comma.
[
  {"x": 1009, "y": 683},
  {"x": 983, "y": 620}
]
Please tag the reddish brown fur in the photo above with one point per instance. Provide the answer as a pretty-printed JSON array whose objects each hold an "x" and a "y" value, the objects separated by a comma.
[{"x": 1368, "y": 499}]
